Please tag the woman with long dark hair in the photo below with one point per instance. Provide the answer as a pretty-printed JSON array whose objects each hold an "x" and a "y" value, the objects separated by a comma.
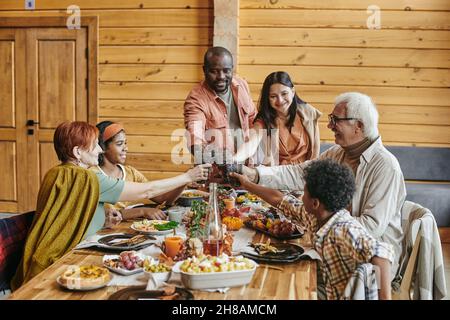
[{"x": 286, "y": 128}]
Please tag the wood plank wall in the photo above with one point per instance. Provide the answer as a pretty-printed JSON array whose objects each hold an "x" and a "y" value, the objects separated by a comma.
[
  {"x": 151, "y": 54},
  {"x": 327, "y": 49}
]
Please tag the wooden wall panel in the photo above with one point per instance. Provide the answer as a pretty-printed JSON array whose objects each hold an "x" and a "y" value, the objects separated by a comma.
[
  {"x": 109, "y": 4},
  {"x": 7, "y": 118},
  {"x": 353, "y": 76},
  {"x": 144, "y": 90},
  {"x": 150, "y": 126},
  {"x": 153, "y": 144},
  {"x": 415, "y": 5},
  {"x": 156, "y": 175},
  {"x": 328, "y": 49},
  {"x": 150, "y": 55},
  {"x": 155, "y": 162},
  {"x": 134, "y": 18},
  {"x": 150, "y": 72},
  {"x": 304, "y": 18},
  {"x": 155, "y": 36},
  {"x": 369, "y": 57},
  {"x": 141, "y": 108},
  {"x": 344, "y": 38},
  {"x": 8, "y": 192}
]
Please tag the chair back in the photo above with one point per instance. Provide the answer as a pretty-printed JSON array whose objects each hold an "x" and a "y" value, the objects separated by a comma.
[
  {"x": 362, "y": 285},
  {"x": 414, "y": 217},
  {"x": 13, "y": 233}
]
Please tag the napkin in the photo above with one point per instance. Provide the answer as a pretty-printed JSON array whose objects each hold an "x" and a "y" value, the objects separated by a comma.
[
  {"x": 242, "y": 239},
  {"x": 175, "y": 279},
  {"x": 92, "y": 241},
  {"x": 311, "y": 254},
  {"x": 137, "y": 279}
]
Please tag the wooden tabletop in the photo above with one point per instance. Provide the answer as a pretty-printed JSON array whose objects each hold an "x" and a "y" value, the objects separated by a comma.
[{"x": 290, "y": 281}]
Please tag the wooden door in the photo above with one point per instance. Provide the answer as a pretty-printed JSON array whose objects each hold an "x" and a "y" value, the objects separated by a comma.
[
  {"x": 56, "y": 92},
  {"x": 44, "y": 80},
  {"x": 13, "y": 141}
]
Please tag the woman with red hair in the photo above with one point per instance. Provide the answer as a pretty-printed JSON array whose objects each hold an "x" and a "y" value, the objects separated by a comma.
[{"x": 71, "y": 198}]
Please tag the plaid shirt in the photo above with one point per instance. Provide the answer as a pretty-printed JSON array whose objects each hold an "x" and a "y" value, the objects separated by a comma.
[
  {"x": 342, "y": 242},
  {"x": 13, "y": 231}
]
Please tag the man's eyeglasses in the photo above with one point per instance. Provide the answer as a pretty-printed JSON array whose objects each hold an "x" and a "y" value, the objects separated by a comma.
[{"x": 332, "y": 119}]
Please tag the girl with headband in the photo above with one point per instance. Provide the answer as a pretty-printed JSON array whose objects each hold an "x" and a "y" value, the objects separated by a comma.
[{"x": 113, "y": 140}]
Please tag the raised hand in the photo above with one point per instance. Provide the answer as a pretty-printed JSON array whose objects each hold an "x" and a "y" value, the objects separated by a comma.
[
  {"x": 112, "y": 217},
  {"x": 243, "y": 179},
  {"x": 199, "y": 172},
  {"x": 154, "y": 214}
]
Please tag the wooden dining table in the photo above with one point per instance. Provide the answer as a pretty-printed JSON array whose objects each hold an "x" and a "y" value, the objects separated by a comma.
[{"x": 274, "y": 281}]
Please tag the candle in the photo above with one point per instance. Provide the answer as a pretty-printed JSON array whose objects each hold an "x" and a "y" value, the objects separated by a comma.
[{"x": 173, "y": 245}]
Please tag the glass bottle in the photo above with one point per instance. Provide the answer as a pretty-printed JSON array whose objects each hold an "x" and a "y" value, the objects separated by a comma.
[{"x": 213, "y": 236}]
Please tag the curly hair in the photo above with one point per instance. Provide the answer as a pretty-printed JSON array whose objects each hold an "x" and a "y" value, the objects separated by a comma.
[{"x": 330, "y": 182}]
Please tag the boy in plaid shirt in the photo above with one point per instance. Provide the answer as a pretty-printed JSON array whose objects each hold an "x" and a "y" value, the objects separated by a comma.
[{"x": 342, "y": 242}]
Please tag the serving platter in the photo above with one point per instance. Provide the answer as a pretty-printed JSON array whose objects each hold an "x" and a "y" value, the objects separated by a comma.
[
  {"x": 289, "y": 253},
  {"x": 110, "y": 242},
  {"x": 140, "y": 293},
  {"x": 119, "y": 270},
  {"x": 295, "y": 235},
  {"x": 75, "y": 288}
]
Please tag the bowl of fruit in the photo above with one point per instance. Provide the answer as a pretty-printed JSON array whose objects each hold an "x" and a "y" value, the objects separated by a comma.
[
  {"x": 188, "y": 196},
  {"x": 128, "y": 262},
  {"x": 158, "y": 270}
]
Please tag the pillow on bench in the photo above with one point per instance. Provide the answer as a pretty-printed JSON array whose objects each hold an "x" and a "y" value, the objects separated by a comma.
[
  {"x": 427, "y": 175},
  {"x": 13, "y": 233}
]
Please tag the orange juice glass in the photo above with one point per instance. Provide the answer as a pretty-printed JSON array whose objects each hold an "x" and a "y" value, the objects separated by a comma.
[
  {"x": 173, "y": 245},
  {"x": 229, "y": 203}
]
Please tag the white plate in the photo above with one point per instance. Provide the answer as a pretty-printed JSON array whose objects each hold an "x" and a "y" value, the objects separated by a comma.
[
  {"x": 153, "y": 233},
  {"x": 122, "y": 271},
  {"x": 74, "y": 287}
]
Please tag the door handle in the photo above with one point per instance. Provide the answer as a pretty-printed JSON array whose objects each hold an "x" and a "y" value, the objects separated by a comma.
[{"x": 32, "y": 122}]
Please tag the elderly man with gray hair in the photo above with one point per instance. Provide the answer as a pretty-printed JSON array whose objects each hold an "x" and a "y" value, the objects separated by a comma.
[{"x": 380, "y": 187}]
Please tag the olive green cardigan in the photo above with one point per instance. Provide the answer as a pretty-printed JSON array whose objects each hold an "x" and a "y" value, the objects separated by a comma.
[{"x": 66, "y": 204}]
